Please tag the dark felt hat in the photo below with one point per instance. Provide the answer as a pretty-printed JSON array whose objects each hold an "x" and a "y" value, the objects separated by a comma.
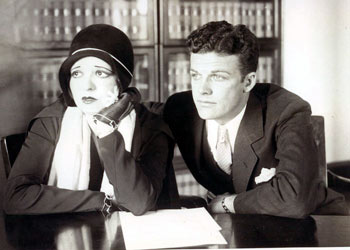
[{"x": 105, "y": 42}]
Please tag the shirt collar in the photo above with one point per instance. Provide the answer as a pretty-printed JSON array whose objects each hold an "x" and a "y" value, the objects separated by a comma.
[{"x": 232, "y": 127}]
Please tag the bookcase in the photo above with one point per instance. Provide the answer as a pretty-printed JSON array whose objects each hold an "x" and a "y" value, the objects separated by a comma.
[{"x": 157, "y": 29}]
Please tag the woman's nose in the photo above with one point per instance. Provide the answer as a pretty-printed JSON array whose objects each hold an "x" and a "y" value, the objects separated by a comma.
[{"x": 90, "y": 84}]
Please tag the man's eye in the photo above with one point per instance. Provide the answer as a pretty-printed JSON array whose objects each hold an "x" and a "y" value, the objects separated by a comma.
[
  {"x": 195, "y": 76},
  {"x": 76, "y": 74},
  {"x": 218, "y": 77}
]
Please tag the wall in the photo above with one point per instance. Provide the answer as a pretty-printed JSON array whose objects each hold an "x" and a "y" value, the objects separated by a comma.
[{"x": 316, "y": 64}]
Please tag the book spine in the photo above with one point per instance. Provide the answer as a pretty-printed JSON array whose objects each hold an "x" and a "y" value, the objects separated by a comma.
[
  {"x": 126, "y": 17},
  {"x": 269, "y": 70},
  {"x": 172, "y": 78},
  {"x": 88, "y": 13},
  {"x": 116, "y": 14},
  {"x": 98, "y": 11},
  {"x": 47, "y": 21},
  {"x": 269, "y": 20},
  {"x": 237, "y": 17},
  {"x": 252, "y": 17},
  {"x": 195, "y": 16},
  {"x": 229, "y": 12},
  {"x": 186, "y": 19},
  {"x": 186, "y": 74},
  {"x": 260, "y": 20},
  {"x": 107, "y": 12},
  {"x": 171, "y": 20},
  {"x": 244, "y": 13},
  {"x": 212, "y": 11},
  {"x": 178, "y": 83},
  {"x": 36, "y": 24},
  {"x": 58, "y": 33},
  {"x": 78, "y": 18},
  {"x": 261, "y": 73},
  {"x": 67, "y": 20},
  {"x": 204, "y": 14},
  {"x": 134, "y": 21},
  {"x": 178, "y": 21},
  {"x": 142, "y": 16},
  {"x": 220, "y": 11}
]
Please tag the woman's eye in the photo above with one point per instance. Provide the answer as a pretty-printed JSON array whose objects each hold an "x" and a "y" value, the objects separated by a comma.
[
  {"x": 76, "y": 74},
  {"x": 102, "y": 74}
]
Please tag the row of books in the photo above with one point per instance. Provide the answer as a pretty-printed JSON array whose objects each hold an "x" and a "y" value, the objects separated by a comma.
[
  {"x": 179, "y": 74},
  {"x": 186, "y": 16},
  {"x": 187, "y": 185},
  {"x": 60, "y": 20}
]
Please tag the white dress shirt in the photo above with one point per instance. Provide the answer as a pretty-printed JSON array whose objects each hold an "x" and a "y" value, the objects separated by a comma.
[{"x": 232, "y": 128}]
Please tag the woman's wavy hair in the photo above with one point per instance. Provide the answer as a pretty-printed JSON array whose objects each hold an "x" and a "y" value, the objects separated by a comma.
[{"x": 224, "y": 38}]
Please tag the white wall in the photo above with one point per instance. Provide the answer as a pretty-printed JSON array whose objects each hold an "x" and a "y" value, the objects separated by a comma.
[{"x": 316, "y": 64}]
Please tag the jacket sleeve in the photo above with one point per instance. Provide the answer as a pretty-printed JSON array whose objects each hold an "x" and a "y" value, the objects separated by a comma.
[
  {"x": 137, "y": 181},
  {"x": 27, "y": 191},
  {"x": 294, "y": 190}
]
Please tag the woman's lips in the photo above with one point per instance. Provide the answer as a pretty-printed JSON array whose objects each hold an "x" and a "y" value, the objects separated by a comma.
[{"x": 88, "y": 99}]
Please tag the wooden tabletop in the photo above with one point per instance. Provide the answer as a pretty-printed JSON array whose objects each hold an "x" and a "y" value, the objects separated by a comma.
[{"x": 94, "y": 231}]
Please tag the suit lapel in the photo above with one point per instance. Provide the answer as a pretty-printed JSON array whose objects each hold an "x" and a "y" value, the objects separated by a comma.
[
  {"x": 250, "y": 131},
  {"x": 197, "y": 132}
]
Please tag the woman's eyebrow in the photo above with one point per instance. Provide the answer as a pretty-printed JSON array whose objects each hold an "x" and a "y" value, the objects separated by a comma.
[
  {"x": 103, "y": 68},
  {"x": 75, "y": 67}
]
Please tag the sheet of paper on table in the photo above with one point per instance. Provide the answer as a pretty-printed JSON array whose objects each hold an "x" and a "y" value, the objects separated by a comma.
[{"x": 170, "y": 228}]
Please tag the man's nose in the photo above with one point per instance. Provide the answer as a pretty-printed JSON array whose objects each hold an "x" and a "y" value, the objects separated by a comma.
[{"x": 204, "y": 87}]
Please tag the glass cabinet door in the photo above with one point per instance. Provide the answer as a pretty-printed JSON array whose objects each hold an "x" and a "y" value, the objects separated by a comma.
[
  {"x": 53, "y": 23},
  {"x": 145, "y": 73},
  {"x": 176, "y": 71},
  {"x": 180, "y": 17}
]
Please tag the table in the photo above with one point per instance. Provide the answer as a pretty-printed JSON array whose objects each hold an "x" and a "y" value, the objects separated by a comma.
[{"x": 94, "y": 231}]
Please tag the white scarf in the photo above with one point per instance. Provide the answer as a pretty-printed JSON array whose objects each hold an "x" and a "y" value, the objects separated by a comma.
[{"x": 70, "y": 167}]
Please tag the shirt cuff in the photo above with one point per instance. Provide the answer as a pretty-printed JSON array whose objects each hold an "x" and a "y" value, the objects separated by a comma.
[{"x": 229, "y": 202}]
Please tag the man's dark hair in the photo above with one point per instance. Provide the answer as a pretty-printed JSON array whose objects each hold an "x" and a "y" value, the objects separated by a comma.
[{"x": 224, "y": 38}]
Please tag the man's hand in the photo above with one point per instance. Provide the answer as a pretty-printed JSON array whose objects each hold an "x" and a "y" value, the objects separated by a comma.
[{"x": 215, "y": 206}]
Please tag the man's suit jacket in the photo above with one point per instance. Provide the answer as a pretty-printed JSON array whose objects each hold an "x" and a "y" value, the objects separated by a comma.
[{"x": 275, "y": 133}]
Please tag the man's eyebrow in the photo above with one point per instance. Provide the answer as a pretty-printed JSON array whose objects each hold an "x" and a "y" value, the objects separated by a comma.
[{"x": 220, "y": 71}]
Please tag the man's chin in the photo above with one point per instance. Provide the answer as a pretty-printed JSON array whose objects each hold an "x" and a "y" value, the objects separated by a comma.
[{"x": 206, "y": 116}]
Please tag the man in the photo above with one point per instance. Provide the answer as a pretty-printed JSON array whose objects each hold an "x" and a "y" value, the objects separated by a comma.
[{"x": 251, "y": 145}]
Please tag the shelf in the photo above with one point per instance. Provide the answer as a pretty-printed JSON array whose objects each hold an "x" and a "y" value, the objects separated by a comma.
[
  {"x": 52, "y": 24},
  {"x": 180, "y": 17}
]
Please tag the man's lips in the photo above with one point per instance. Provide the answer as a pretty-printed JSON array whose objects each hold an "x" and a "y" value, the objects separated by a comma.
[
  {"x": 205, "y": 103},
  {"x": 88, "y": 99}
]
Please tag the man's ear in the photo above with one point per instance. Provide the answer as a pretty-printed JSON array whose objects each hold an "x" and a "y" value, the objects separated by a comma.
[{"x": 249, "y": 82}]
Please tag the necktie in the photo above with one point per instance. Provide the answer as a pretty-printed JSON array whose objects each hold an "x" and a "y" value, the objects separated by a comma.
[{"x": 223, "y": 150}]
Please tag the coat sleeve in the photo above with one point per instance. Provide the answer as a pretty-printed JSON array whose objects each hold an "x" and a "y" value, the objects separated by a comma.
[
  {"x": 137, "y": 181},
  {"x": 27, "y": 191},
  {"x": 296, "y": 189}
]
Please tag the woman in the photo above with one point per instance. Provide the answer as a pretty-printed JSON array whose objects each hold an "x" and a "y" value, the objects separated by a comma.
[{"x": 96, "y": 148}]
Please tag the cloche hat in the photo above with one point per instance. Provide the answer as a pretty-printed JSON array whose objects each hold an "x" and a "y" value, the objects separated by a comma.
[{"x": 105, "y": 42}]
